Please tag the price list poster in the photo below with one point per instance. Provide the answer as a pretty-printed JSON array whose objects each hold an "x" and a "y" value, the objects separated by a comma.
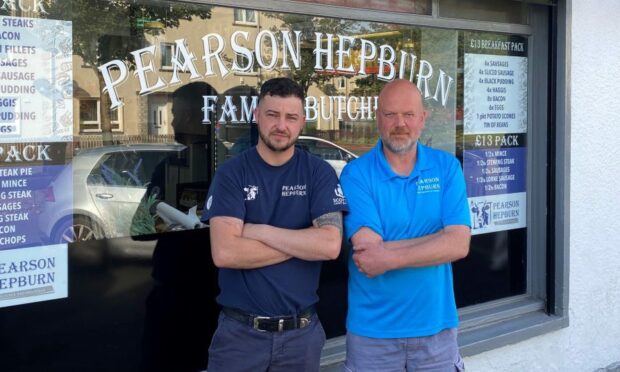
[
  {"x": 36, "y": 126},
  {"x": 495, "y": 130}
]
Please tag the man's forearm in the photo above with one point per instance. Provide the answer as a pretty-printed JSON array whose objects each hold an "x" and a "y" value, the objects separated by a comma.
[
  {"x": 447, "y": 245},
  {"x": 311, "y": 244},
  {"x": 409, "y": 243},
  {"x": 249, "y": 254},
  {"x": 230, "y": 249},
  {"x": 373, "y": 256}
]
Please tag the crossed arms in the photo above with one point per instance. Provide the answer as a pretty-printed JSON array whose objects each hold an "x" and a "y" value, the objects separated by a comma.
[
  {"x": 373, "y": 256},
  {"x": 236, "y": 245}
]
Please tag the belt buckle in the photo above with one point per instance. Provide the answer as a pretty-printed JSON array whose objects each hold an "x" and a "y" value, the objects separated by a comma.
[
  {"x": 256, "y": 321},
  {"x": 304, "y": 322}
]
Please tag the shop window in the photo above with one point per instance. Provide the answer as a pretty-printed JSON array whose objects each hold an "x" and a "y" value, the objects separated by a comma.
[
  {"x": 90, "y": 117},
  {"x": 495, "y": 128}
]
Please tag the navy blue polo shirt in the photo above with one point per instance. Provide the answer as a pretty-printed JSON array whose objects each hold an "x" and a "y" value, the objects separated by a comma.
[{"x": 289, "y": 196}]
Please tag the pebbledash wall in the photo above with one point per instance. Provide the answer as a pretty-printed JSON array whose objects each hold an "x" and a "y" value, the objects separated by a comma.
[{"x": 592, "y": 339}]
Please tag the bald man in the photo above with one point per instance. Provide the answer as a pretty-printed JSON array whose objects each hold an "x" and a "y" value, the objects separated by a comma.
[{"x": 408, "y": 221}]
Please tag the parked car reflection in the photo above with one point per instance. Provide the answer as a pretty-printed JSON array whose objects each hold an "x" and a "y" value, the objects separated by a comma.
[
  {"x": 335, "y": 155},
  {"x": 107, "y": 186}
]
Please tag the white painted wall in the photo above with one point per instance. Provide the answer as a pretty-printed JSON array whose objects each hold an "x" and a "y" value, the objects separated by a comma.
[{"x": 593, "y": 338}]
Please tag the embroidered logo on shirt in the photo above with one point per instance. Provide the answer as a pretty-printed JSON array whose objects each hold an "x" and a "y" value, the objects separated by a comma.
[
  {"x": 430, "y": 184},
  {"x": 209, "y": 202},
  {"x": 339, "y": 199},
  {"x": 293, "y": 190},
  {"x": 251, "y": 192}
]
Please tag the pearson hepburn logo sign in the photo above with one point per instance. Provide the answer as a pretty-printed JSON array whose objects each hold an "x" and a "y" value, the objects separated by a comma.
[
  {"x": 332, "y": 54},
  {"x": 33, "y": 274}
]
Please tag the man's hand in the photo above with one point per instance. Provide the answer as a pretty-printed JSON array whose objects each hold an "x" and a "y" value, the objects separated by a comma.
[
  {"x": 372, "y": 259},
  {"x": 370, "y": 254}
]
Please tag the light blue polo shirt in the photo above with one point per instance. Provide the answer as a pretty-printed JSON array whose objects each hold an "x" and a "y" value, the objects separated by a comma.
[{"x": 408, "y": 302}]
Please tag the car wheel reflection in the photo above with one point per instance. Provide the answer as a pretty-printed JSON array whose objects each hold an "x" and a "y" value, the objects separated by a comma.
[{"x": 77, "y": 229}]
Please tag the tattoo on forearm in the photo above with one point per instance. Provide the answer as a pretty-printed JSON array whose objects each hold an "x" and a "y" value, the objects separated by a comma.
[{"x": 332, "y": 218}]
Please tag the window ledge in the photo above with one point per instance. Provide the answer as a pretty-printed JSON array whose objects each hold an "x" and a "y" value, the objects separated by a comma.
[
  {"x": 482, "y": 328},
  {"x": 509, "y": 331},
  {"x": 245, "y": 23}
]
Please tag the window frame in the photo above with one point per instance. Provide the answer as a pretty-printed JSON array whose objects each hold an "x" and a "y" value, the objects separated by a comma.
[
  {"x": 544, "y": 306},
  {"x": 118, "y": 122},
  {"x": 342, "y": 83},
  {"x": 244, "y": 12},
  {"x": 166, "y": 64}
]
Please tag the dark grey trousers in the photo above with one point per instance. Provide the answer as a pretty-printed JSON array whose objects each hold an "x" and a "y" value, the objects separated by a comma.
[{"x": 237, "y": 347}]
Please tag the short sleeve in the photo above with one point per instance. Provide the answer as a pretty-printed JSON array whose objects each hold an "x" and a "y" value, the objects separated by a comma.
[
  {"x": 327, "y": 195},
  {"x": 363, "y": 211},
  {"x": 225, "y": 196}
]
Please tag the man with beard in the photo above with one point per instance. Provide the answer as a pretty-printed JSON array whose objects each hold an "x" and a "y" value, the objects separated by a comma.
[
  {"x": 408, "y": 220},
  {"x": 275, "y": 213}
]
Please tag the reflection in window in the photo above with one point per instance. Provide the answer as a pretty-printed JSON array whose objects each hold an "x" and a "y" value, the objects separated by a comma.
[
  {"x": 243, "y": 62},
  {"x": 342, "y": 83},
  {"x": 401, "y": 6},
  {"x": 167, "y": 53},
  {"x": 127, "y": 168},
  {"x": 245, "y": 16},
  {"x": 485, "y": 10},
  {"x": 90, "y": 119}
]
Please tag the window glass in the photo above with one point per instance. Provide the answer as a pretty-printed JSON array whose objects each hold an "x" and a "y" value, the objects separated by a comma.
[
  {"x": 509, "y": 11},
  {"x": 342, "y": 65},
  {"x": 90, "y": 117},
  {"x": 404, "y": 6},
  {"x": 167, "y": 51},
  {"x": 245, "y": 16},
  {"x": 493, "y": 118},
  {"x": 88, "y": 111}
]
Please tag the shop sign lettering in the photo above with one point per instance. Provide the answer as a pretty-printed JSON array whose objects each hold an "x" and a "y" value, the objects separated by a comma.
[
  {"x": 333, "y": 54},
  {"x": 24, "y": 5}
]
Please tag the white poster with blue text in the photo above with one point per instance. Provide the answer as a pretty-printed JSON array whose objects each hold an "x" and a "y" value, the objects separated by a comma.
[
  {"x": 495, "y": 94},
  {"x": 36, "y": 83},
  {"x": 33, "y": 274},
  {"x": 495, "y": 121},
  {"x": 36, "y": 130}
]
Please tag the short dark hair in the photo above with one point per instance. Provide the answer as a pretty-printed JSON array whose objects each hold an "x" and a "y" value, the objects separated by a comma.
[{"x": 281, "y": 87}]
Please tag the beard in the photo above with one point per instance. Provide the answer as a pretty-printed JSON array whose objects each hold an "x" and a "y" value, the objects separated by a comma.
[
  {"x": 399, "y": 144},
  {"x": 275, "y": 146}
]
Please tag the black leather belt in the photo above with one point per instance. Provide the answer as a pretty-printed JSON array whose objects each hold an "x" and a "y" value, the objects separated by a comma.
[{"x": 271, "y": 323}]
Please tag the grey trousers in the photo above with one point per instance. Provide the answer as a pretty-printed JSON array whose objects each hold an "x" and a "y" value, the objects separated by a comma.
[
  {"x": 237, "y": 347},
  {"x": 436, "y": 353}
]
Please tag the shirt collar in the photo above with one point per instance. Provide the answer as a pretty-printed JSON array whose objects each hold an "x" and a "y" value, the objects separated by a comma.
[{"x": 386, "y": 171}]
